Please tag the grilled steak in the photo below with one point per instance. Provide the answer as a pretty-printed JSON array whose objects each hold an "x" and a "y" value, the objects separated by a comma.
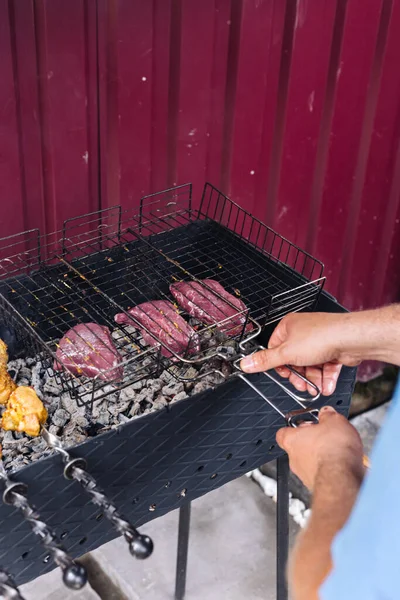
[
  {"x": 162, "y": 319},
  {"x": 201, "y": 302},
  {"x": 88, "y": 349}
]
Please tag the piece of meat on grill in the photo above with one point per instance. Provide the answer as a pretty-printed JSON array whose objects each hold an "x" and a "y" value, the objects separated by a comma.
[
  {"x": 7, "y": 385},
  {"x": 200, "y": 300},
  {"x": 24, "y": 412},
  {"x": 163, "y": 320},
  {"x": 88, "y": 349}
]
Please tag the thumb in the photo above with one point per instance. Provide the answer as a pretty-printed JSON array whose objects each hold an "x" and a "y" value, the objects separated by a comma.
[
  {"x": 326, "y": 413},
  {"x": 285, "y": 436},
  {"x": 262, "y": 361}
]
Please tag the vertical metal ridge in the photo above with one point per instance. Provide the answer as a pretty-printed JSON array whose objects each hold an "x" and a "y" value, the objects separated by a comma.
[
  {"x": 14, "y": 61},
  {"x": 92, "y": 107},
  {"x": 364, "y": 147},
  {"x": 173, "y": 95},
  {"x": 277, "y": 143},
  {"x": 230, "y": 91},
  {"x": 49, "y": 197},
  {"x": 325, "y": 128}
]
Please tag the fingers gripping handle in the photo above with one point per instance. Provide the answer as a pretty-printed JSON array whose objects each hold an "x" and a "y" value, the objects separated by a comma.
[{"x": 306, "y": 413}]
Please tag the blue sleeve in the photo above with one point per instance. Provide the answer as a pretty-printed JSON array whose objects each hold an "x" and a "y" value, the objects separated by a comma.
[{"x": 366, "y": 553}]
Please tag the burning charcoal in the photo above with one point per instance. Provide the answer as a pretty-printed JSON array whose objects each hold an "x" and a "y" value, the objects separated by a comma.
[
  {"x": 137, "y": 385},
  {"x": 160, "y": 402},
  {"x": 24, "y": 376},
  {"x": 155, "y": 384},
  {"x": 201, "y": 386},
  {"x": 119, "y": 407},
  {"x": 51, "y": 386},
  {"x": 60, "y": 417},
  {"x": 173, "y": 388},
  {"x": 8, "y": 438},
  {"x": 146, "y": 395},
  {"x": 167, "y": 376},
  {"x": 81, "y": 421},
  {"x": 135, "y": 410},
  {"x": 127, "y": 394},
  {"x": 180, "y": 396},
  {"x": 123, "y": 419},
  {"x": 70, "y": 405},
  {"x": 104, "y": 417},
  {"x": 54, "y": 429}
]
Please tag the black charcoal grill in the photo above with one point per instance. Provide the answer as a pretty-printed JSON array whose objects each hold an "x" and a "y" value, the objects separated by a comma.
[{"x": 105, "y": 263}]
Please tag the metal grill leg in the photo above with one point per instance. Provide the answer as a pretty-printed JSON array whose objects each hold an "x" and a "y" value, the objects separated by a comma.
[
  {"x": 282, "y": 527},
  {"x": 183, "y": 544}
]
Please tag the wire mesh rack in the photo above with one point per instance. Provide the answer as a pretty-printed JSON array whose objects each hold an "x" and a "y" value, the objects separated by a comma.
[{"x": 109, "y": 262}]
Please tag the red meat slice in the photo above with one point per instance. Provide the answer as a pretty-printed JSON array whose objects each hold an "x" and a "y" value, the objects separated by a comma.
[
  {"x": 162, "y": 319},
  {"x": 88, "y": 349},
  {"x": 202, "y": 303}
]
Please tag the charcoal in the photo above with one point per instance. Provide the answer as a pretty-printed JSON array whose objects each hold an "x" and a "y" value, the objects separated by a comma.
[
  {"x": 60, "y": 417},
  {"x": 24, "y": 374},
  {"x": 118, "y": 407},
  {"x": 127, "y": 394},
  {"x": 146, "y": 395},
  {"x": 81, "y": 421},
  {"x": 123, "y": 419},
  {"x": 173, "y": 388},
  {"x": 135, "y": 410},
  {"x": 54, "y": 429},
  {"x": 180, "y": 396},
  {"x": 104, "y": 417},
  {"x": 8, "y": 438},
  {"x": 51, "y": 386},
  {"x": 201, "y": 386},
  {"x": 155, "y": 384},
  {"x": 137, "y": 385}
]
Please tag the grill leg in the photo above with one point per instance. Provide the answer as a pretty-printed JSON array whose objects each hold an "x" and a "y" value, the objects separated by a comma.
[
  {"x": 183, "y": 544},
  {"x": 282, "y": 527}
]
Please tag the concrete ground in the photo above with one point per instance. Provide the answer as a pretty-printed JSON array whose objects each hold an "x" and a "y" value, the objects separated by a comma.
[{"x": 231, "y": 555}]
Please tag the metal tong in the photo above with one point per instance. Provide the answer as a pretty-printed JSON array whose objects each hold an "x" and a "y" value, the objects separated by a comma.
[
  {"x": 307, "y": 412},
  {"x": 140, "y": 545},
  {"x": 15, "y": 494},
  {"x": 8, "y": 589}
]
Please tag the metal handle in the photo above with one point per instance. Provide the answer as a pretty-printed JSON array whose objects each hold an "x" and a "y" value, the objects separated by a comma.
[
  {"x": 8, "y": 589},
  {"x": 140, "y": 545},
  {"x": 74, "y": 574},
  {"x": 291, "y": 418}
]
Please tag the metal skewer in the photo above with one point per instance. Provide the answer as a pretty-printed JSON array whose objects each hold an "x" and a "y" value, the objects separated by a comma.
[
  {"x": 140, "y": 545},
  {"x": 74, "y": 574},
  {"x": 8, "y": 589}
]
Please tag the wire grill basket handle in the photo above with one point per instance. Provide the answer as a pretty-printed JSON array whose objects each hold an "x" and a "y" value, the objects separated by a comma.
[
  {"x": 307, "y": 412},
  {"x": 74, "y": 574},
  {"x": 8, "y": 589},
  {"x": 140, "y": 545}
]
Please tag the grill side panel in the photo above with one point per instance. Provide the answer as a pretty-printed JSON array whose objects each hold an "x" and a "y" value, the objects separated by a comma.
[{"x": 162, "y": 459}]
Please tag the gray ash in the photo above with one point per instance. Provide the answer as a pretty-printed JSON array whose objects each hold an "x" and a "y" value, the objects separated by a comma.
[{"x": 74, "y": 424}]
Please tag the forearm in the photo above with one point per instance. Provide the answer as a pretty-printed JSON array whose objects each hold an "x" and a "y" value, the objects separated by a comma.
[
  {"x": 334, "y": 495},
  {"x": 372, "y": 334}
]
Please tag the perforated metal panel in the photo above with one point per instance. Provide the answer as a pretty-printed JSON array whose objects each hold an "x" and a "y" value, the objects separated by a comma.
[{"x": 162, "y": 459}]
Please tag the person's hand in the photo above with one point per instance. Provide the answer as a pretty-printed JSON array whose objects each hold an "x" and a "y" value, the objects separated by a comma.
[
  {"x": 311, "y": 342},
  {"x": 331, "y": 444}
]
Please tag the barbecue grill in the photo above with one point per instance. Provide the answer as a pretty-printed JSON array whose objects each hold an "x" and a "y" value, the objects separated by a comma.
[{"x": 106, "y": 263}]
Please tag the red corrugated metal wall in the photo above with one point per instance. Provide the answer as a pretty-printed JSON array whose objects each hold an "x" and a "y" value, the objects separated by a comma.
[{"x": 291, "y": 107}]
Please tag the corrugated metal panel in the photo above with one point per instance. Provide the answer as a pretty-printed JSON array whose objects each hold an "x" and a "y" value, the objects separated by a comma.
[{"x": 292, "y": 107}]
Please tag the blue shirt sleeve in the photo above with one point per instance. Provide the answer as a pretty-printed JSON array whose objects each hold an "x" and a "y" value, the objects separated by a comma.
[{"x": 366, "y": 553}]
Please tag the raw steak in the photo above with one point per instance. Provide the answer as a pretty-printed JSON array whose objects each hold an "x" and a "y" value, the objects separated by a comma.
[
  {"x": 163, "y": 320},
  {"x": 88, "y": 349},
  {"x": 203, "y": 304}
]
